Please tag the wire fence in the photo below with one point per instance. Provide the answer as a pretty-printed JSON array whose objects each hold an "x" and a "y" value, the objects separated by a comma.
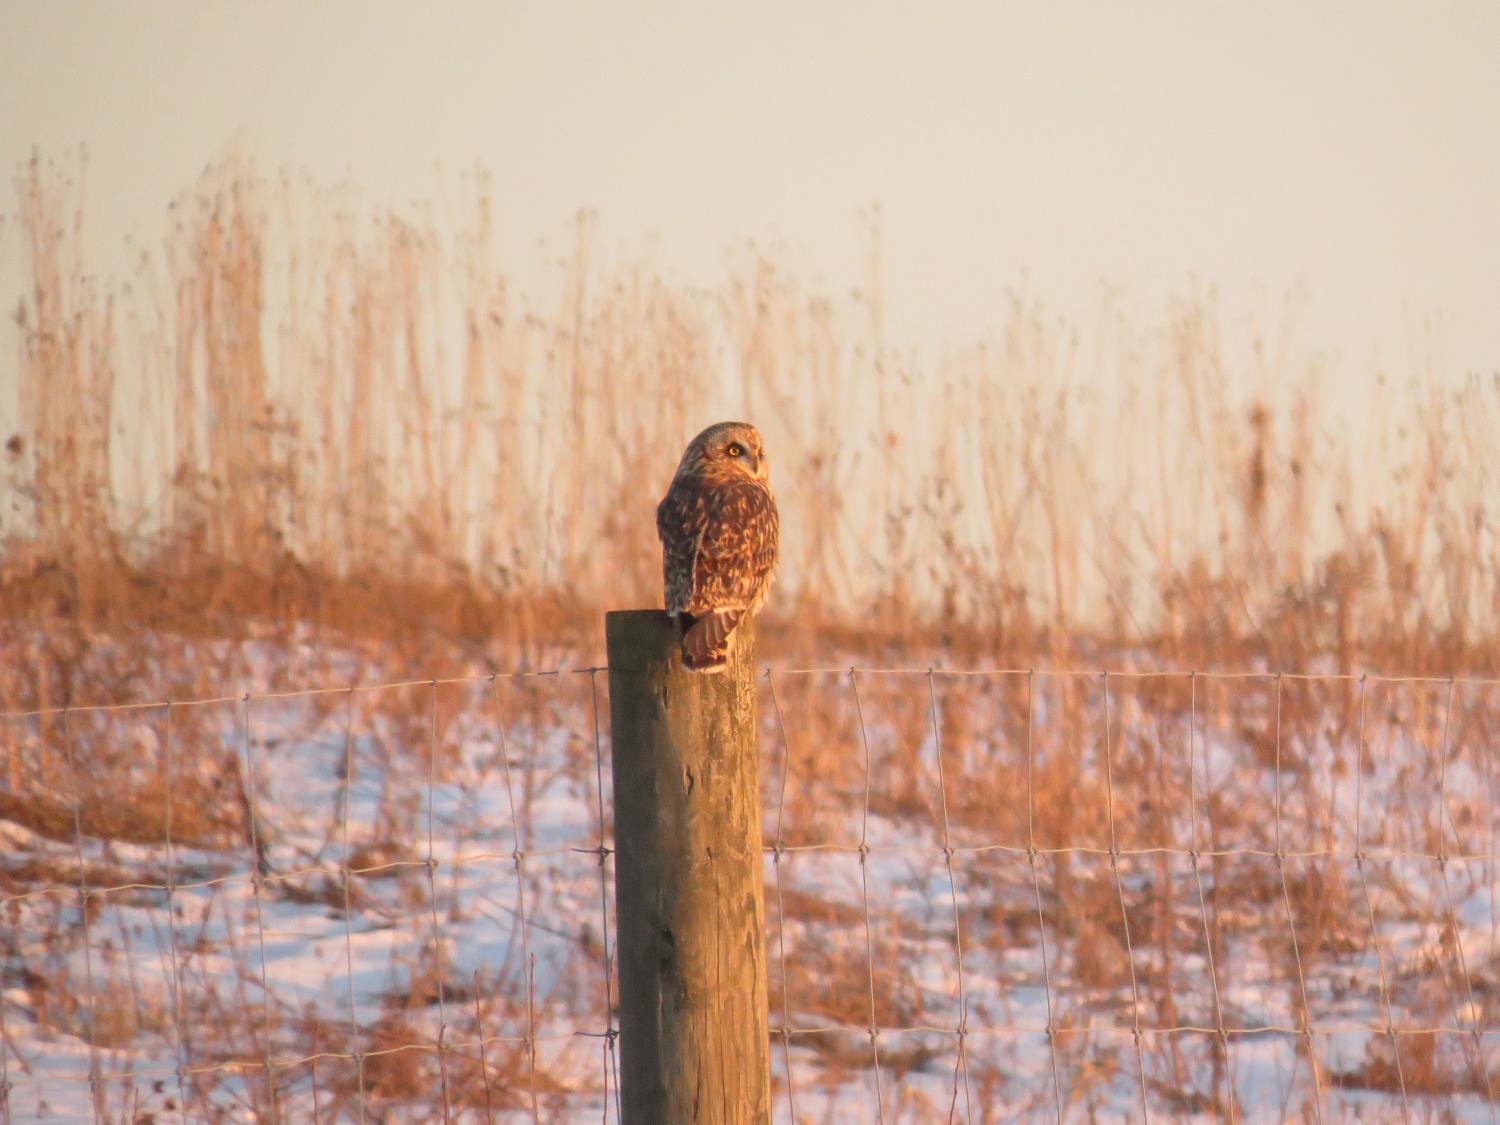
[{"x": 992, "y": 895}]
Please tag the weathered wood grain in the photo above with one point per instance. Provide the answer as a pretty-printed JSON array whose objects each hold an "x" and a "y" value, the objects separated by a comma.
[{"x": 688, "y": 880}]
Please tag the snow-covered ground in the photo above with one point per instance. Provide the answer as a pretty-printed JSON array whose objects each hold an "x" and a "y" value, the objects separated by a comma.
[{"x": 402, "y": 835}]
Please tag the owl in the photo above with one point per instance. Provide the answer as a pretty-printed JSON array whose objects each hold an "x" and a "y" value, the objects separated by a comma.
[{"x": 718, "y": 529}]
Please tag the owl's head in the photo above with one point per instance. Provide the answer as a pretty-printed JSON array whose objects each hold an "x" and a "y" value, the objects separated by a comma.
[{"x": 725, "y": 451}]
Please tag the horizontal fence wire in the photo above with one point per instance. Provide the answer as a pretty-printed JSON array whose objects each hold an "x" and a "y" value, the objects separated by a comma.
[
  {"x": 1107, "y": 734},
  {"x": 1477, "y": 1034},
  {"x": 429, "y": 867}
]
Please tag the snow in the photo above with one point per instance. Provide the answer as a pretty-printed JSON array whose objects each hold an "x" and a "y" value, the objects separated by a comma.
[{"x": 499, "y": 785}]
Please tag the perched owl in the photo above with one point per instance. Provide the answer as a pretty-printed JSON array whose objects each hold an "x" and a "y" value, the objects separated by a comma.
[{"x": 718, "y": 531}]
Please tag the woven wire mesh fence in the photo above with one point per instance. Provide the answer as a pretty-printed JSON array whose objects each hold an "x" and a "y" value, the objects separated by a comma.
[
  {"x": 990, "y": 896},
  {"x": 316, "y": 905}
]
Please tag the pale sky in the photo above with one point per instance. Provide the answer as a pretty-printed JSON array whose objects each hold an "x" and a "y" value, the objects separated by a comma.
[{"x": 1351, "y": 149}]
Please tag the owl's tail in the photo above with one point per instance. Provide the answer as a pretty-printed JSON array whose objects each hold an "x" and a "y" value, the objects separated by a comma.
[{"x": 705, "y": 644}]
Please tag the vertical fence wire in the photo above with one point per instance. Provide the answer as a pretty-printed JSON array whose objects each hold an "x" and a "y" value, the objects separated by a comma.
[
  {"x": 96, "y": 1090},
  {"x": 1195, "y": 857},
  {"x": 251, "y": 779},
  {"x": 1364, "y": 884},
  {"x": 962, "y": 1030},
  {"x": 5, "y": 1082},
  {"x": 1114, "y": 865},
  {"x": 346, "y": 876},
  {"x": 864, "y": 884},
  {"x": 1489, "y": 751},
  {"x": 484, "y": 1055},
  {"x": 777, "y": 852},
  {"x": 437, "y": 928},
  {"x": 175, "y": 985},
  {"x": 518, "y": 858},
  {"x": 1036, "y": 887},
  {"x": 1305, "y": 1014},
  {"x": 611, "y": 1034}
]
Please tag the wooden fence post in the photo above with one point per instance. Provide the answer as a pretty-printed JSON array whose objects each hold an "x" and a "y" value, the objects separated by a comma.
[{"x": 694, "y": 1044}]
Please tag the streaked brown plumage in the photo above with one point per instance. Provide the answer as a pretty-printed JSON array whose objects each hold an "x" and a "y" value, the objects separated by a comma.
[{"x": 719, "y": 531}]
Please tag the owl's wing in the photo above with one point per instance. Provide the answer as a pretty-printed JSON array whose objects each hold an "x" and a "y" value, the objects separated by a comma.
[
  {"x": 680, "y": 519},
  {"x": 736, "y": 549},
  {"x": 718, "y": 543}
]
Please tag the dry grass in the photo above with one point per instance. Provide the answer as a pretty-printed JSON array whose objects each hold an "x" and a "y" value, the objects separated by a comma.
[
  {"x": 288, "y": 415},
  {"x": 299, "y": 447}
]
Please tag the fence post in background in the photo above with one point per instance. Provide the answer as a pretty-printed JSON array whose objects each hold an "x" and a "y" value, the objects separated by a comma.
[{"x": 694, "y": 1043}]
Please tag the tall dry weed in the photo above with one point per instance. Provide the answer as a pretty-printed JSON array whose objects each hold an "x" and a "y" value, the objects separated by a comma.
[{"x": 366, "y": 423}]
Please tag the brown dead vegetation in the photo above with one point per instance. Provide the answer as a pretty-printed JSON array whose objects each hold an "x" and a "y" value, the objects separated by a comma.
[{"x": 390, "y": 463}]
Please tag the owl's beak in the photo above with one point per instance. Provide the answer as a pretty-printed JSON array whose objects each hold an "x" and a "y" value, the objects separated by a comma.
[{"x": 762, "y": 469}]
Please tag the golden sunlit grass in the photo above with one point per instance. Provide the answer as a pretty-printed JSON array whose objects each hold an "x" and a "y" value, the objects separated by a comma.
[
  {"x": 359, "y": 445},
  {"x": 289, "y": 415}
]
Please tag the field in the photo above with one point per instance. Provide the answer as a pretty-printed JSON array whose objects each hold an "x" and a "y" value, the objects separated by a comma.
[{"x": 1213, "y": 837}]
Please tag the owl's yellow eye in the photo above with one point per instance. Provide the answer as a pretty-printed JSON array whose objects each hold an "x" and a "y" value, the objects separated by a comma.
[{"x": 735, "y": 449}]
